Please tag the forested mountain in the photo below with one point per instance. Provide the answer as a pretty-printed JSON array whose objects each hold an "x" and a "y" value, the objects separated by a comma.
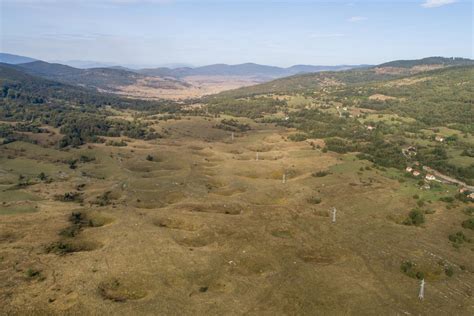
[
  {"x": 102, "y": 78},
  {"x": 25, "y": 88},
  {"x": 308, "y": 82},
  {"x": 14, "y": 59}
]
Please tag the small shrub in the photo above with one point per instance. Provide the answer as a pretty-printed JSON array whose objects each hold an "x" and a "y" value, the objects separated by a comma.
[
  {"x": 320, "y": 174},
  {"x": 60, "y": 248},
  {"x": 447, "y": 199},
  {"x": 70, "y": 197},
  {"x": 149, "y": 157},
  {"x": 420, "y": 203},
  {"x": 85, "y": 159},
  {"x": 32, "y": 273},
  {"x": 409, "y": 268},
  {"x": 116, "y": 143},
  {"x": 469, "y": 210},
  {"x": 103, "y": 199},
  {"x": 415, "y": 217},
  {"x": 416, "y": 196},
  {"x": 449, "y": 271},
  {"x": 458, "y": 238},
  {"x": 72, "y": 164},
  {"x": 468, "y": 223},
  {"x": 314, "y": 200},
  {"x": 298, "y": 137}
]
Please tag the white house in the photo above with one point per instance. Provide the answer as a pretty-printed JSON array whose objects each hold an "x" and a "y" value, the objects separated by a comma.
[
  {"x": 430, "y": 177},
  {"x": 409, "y": 169}
]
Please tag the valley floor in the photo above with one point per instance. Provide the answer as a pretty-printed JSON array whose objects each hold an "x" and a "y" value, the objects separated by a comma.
[{"x": 194, "y": 224}]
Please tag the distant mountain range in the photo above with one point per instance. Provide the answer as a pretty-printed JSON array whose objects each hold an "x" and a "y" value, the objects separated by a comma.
[
  {"x": 256, "y": 71},
  {"x": 119, "y": 79},
  {"x": 262, "y": 72}
]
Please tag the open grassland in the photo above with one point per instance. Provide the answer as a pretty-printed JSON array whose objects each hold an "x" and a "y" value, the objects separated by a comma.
[{"x": 193, "y": 223}]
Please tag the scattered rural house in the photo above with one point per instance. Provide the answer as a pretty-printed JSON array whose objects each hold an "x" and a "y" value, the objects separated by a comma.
[
  {"x": 430, "y": 177},
  {"x": 462, "y": 190},
  {"x": 409, "y": 169},
  {"x": 416, "y": 173},
  {"x": 410, "y": 151},
  {"x": 471, "y": 196},
  {"x": 344, "y": 108},
  {"x": 287, "y": 118},
  {"x": 439, "y": 138},
  {"x": 425, "y": 186},
  {"x": 370, "y": 127}
]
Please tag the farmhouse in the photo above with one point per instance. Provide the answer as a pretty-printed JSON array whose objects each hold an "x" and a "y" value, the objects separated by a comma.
[
  {"x": 416, "y": 173},
  {"x": 430, "y": 177},
  {"x": 462, "y": 190},
  {"x": 439, "y": 138},
  {"x": 409, "y": 169}
]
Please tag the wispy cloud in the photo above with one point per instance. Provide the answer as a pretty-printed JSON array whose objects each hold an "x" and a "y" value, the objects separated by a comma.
[
  {"x": 328, "y": 35},
  {"x": 436, "y": 3},
  {"x": 115, "y": 2},
  {"x": 355, "y": 19}
]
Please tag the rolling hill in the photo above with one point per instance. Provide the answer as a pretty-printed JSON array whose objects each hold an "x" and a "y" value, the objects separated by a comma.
[
  {"x": 14, "y": 59},
  {"x": 308, "y": 82},
  {"x": 444, "y": 61}
]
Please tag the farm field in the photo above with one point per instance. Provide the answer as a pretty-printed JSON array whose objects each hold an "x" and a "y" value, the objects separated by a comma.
[{"x": 193, "y": 223}]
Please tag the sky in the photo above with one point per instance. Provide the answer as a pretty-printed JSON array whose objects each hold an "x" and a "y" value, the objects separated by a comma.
[{"x": 281, "y": 33}]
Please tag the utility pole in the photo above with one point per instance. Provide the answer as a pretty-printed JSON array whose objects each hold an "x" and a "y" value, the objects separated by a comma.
[
  {"x": 334, "y": 214},
  {"x": 421, "y": 296}
]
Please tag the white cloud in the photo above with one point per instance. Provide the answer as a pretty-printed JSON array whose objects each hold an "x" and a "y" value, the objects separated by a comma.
[
  {"x": 436, "y": 3},
  {"x": 355, "y": 19}
]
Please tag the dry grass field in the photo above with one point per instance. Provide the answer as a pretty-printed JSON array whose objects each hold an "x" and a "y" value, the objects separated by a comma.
[
  {"x": 191, "y": 87},
  {"x": 202, "y": 227}
]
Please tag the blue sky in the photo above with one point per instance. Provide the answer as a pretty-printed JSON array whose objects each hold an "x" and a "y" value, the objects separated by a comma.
[{"x": 283, "y": 33}]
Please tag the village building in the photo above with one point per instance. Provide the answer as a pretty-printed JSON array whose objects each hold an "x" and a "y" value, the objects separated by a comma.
[
  {"x": 416, "y": 173},
  {"x": 409, "y": 169},
  {"x": 370, "y": 127},
  {"x": 462, "y": 190},
  {"x": 471, "y": 196},
  {"x": 430, "y": 177},
  {"x": 439, "y": 138},
  {"x": 425, "y": 186}
]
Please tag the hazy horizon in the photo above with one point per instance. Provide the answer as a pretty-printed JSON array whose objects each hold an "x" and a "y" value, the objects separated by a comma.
[{"x": 197, "y": 33}]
